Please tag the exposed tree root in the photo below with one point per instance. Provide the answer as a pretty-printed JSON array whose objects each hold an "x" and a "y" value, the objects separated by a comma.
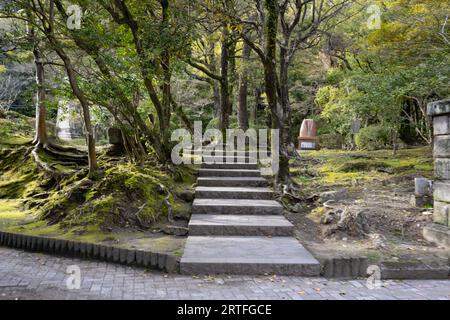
[
  {"x": 63, "y": 156},
  {"x": 43, "y": 165}
]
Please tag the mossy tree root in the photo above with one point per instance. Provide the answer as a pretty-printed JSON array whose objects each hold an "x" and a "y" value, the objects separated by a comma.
[{"x": 61, "y": 157}]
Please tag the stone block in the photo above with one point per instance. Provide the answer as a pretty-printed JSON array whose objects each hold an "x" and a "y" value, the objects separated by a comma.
[
  {"x": 95, "y": 251},
  {"x": 437, "y": 234},
  {"x": 64, "y": 247},
  {"x": 442, "y": 169},
  {"x": 441, "y": 147},
  {"x": 109, "y": 253},
  {"x": 9, "y": 241},
  {"x": 327, "y": 268},
  {"x": 171, "y": 264},
  {"x": 45, "y": 244},
  {"x": 123, "y": 253},
  {"x": 89, "y": 250},
  {"x": 146, "y": 259},
  {"x": 441, "y": 125},
  {"x": 131, "y": 257},
  {"x": 354, "y": 266},
  {"x": 39, "y": 244},
  {"x": 83, "y": 249},
  {"x": 27, "y": 243},
  {"x": 338, "y": 267},
  {"x": 139, "y": 257},
  {"x": 154, "y": 260},
  {"x": 420, "y": 201},
  {"x": 33, "y": 246},
  {"x": 441, "y": 213},
  {"x": 115, "y": 254},
  {"x": 102, "y": 252},
  {"x": 6, "y": 239},
  {"x": 70, "y": 246},
  {"x": 442, "y": 191},
  {"x": 24, "y": 242},
  {"x": 76, "y": 248},
  {"x": 115, "y": 136},
  {"x": 437, "y": 108},
  {"x": 14, "y": 240},
  {"x": 21, "y": 241},
  {"x": 162, "y": 261},
  {"x": 51, "y": 245},
  {"x": 57, "y": 246},
  {"x": 346, "y": 268}
]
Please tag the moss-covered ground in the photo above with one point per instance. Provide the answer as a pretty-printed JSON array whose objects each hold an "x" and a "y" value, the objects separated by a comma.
[
  {"x": 347, "y": 168},
  {"x": 126, "y": 203}
]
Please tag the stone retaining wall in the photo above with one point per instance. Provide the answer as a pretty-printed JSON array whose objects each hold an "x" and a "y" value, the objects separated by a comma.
[
  {"x": 440, "y": 111},
  {"x": 136, "y": 257},
  {"x": 439, "y": 232}
]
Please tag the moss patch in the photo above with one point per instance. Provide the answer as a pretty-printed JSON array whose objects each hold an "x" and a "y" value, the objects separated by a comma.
[
  {"x": 15, "y": 129},
  {"x": 126, "y": 195},
  {"x": 345, "y": 167}
]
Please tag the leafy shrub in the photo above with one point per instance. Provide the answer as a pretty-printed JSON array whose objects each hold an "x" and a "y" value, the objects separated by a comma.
[
  {"x": 373, "y": 137},
  {"x": 330, "y": 141}
]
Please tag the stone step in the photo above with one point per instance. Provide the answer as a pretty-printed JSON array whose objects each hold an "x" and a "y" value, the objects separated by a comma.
[
  {"x": 240, "y": 166},
  {"x": 226, "y": 159},
  {"x": 236, "y": 206},
  {"x": 224, "y": 153},
  {"x": 232, "y": 182},
  {"x": 247, "y": 255},
  {"x": 239, "y": 225},
  {"x": 233, "y": 193},
  {"x": 229, "y": 173}
]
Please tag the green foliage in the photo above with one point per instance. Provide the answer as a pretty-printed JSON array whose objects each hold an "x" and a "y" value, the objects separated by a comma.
[
  {"x": 373, "y": 137},
  {"x": 391, "y": 72},
  {"x": 330, "y": 141}
]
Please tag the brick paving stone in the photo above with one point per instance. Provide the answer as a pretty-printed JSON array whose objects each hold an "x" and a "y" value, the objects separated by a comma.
[{"x": 26, "y": 275}]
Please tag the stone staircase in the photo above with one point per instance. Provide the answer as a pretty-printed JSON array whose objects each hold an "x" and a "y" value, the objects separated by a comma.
[{"x": 237, "y": 228}]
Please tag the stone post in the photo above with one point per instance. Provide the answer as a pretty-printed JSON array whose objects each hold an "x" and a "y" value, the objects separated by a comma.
[{"x": 439, "y": 232}]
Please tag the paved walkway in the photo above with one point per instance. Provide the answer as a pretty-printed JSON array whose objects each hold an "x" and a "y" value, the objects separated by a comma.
[{"x": 26, "y": 275}]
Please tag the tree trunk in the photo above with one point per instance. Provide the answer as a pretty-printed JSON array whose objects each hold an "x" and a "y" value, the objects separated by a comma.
[
  {"x": 231, "y": 72},
  {"x": 270, "y": 77},
  {"x": 224, "y": 84},
  {"x": 92, "y": 157},
  {"x": 167, "y": 74},
  {"x": 284, "y": 98},
  {"x": 41, "y": 137},
  {"x": 212, "y": 65},
  {"x": 243, "y": 88},
  {"x": 257, "y": 105}
]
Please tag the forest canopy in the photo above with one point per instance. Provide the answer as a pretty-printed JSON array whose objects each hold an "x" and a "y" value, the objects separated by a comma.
[{"x": 149, "y": 67}]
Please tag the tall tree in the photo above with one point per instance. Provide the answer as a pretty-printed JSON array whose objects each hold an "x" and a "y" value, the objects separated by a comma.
[{"x": 242, "y": 111}]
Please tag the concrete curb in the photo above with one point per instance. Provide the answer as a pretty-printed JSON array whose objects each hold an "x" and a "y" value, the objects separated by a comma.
[
  {"x": 354, "y": 267},
  {"x": 85, "y": 250},
  {"x": 343, "y": 267},
  {"x": 413, "y": 271}
]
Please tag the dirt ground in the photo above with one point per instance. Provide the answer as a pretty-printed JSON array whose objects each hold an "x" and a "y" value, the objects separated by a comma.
[{"x": 381, "y": 194}]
